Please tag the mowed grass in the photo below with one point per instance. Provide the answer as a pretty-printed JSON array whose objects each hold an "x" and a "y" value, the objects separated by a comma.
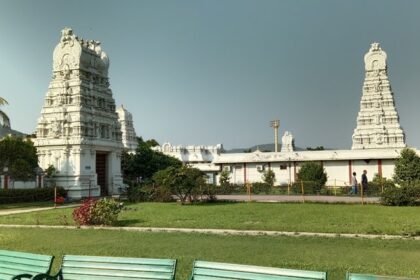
[
  {"x": 294, "y": 217},
  {"x": 334, "y": 255}
]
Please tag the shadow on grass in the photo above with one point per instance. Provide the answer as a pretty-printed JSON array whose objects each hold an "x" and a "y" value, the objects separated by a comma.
[
  {"x": 129, "y": 222},
  {"x": 212, "y": 203}
]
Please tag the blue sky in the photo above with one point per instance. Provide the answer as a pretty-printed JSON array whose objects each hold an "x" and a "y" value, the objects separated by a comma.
[{"x": 207, "y": 72}]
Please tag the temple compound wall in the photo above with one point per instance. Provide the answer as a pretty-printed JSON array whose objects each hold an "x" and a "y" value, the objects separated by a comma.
[{"x": 78, "y": 131}]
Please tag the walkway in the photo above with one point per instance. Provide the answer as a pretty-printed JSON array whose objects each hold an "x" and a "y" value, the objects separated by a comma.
[
  {"x": 4, "y": 212},
  {"x": 222, "y": 231}
]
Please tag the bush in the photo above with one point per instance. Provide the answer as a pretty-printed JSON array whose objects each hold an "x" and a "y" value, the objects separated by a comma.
[
  {"x": 259, "y": 187},
  {"x": 309, "y": 187},
  {"x": 148, "y": 192},
  {"x": 313, "y": 175},
  {"x": 30, "y": 195},
  {"x": 97, "y": 212},
  {"x": 408, "y": 195}
]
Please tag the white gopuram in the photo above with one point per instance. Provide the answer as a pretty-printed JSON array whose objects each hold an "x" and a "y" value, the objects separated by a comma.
[
  {"x": 78, "y": 132},
  {"x": 129, "y": 138},
  {"x": 287, "y": 142},
  {"x": 377, "y": 122}
]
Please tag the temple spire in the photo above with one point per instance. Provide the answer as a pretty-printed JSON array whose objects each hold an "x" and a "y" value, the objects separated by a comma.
[{"x": 377, "y": 122}]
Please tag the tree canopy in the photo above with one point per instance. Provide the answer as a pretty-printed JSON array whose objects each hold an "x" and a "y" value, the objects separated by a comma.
[
  {"x": 19, "y": 156},
  {"x": 145, "y": 162},
  {"x": 407, "y": 167},
  {"x": 313, "y": 172}
]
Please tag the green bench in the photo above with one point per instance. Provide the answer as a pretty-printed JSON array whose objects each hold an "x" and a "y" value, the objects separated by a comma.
[
  {"x": 203, "y": 270},
  {"x": 19, "y": 265},
  {"x": 357, "y": 276},
  {"x": 112, "y": 268}
]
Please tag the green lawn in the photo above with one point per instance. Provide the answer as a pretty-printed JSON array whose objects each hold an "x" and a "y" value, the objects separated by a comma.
[
  {"x": 315, "y": 217},
  {"x": 334, "y": 255}
]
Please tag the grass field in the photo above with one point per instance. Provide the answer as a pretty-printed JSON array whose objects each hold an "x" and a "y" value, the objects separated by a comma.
[
  {"x": 332, "y": 218},
  {"x": 334, "y": 255}
]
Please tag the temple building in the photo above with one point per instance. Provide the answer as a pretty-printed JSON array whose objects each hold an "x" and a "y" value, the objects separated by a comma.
[
  {"x": 377, "y": 123},
  {"x": 129, "y": 138},
  {"x": 78, "y": 131},
  {"x": 377, "y": 141}
]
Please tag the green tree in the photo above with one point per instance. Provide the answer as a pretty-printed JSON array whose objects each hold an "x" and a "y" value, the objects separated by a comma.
[
  {"x": 314, "y": 173},
  {"x": 19, "y": 156},
  {"x": 407, "y": 167},
  {"x": 184, "y": 182},
  {"x": 145, "y": 162},
  {"x": 269, "y": 177},
  {"x": 224, "y": 179}
]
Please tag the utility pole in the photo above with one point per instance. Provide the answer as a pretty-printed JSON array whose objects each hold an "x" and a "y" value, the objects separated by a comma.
[{"x": 276, "y": 124}]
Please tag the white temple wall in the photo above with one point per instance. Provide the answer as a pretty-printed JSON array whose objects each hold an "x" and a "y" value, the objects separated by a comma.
[
  {"x": 388, "y": 168},
  {"x": 337, "y": 172},
  {"x": 371, "y": 166}
]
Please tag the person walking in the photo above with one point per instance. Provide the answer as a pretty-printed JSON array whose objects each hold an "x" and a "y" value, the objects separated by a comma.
[
  {"x": 353, "y": 184},
  {"x": 364, "y": 182}
]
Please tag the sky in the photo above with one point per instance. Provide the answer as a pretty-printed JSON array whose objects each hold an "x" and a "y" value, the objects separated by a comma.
[{"x": 200, "y": 72}]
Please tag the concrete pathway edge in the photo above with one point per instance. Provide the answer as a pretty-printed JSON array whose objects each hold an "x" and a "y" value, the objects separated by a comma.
[{"x": 224, "y": 232}]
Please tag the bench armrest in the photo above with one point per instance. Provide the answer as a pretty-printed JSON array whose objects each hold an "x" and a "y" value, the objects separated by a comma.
[{"x": 22, "y": 276}]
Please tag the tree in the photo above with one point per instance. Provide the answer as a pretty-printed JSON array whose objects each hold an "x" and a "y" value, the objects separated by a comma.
[
  {"x": 407, "y": 167},
  {"x": 19, "y": 156},
  {"x": 269, "y": 177},
  {"x": 224, "y": 179},
  {"x": 314, "y": 173},
  {"x": 184, "y": 182},
  {"x": 317, "y": 148},
  {"x": 145, "y": 162}
]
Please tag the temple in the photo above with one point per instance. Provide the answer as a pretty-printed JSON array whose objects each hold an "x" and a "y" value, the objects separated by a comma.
[
  {"x": 129, "y": 138},
  {"x": 78, "y": 131},
  {"x": 377, "y": 123}
]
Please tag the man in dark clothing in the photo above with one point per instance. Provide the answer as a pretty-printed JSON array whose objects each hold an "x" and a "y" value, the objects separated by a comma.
[{"x": 364, "y": 182}]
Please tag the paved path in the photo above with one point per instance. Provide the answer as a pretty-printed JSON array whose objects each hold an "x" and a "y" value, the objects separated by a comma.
[
  {"x": 222, "y": 231},
  {"x": 4, "y": 212},
  {"x": 299, "y": 198}
]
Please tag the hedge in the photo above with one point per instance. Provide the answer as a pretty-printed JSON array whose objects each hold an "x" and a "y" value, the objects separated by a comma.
[{"x": 29, "y": 195}]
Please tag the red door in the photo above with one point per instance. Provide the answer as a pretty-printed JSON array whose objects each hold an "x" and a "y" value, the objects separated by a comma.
[{"x": 101, "y": 172}]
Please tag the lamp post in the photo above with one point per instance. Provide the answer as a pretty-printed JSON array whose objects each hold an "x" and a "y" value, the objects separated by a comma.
[
  {"x": 6, "y": 177},
  {"x": 275, "y": 124}
]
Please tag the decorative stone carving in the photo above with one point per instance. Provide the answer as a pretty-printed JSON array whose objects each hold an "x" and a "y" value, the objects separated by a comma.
[
  {"x": 70, "y": 116},
  {"x": 377, "y": 122},
  {"x": 287, "y": 142},
  {"x": 129, "y": 137}
]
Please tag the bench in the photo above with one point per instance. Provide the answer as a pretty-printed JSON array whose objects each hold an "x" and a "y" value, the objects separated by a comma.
[
  {"x": 18, "y": 265},
  {"x": 357, "y": 276},
  {"x": 107, "y": 268},
  {"x": 203, "y": 270}
]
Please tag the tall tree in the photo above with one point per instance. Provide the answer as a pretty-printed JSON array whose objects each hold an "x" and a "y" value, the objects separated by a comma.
[
  {"x": 407, "y": 167},
  {"x": 145, "y": 162},
  {"x": 19, "y": 156}
]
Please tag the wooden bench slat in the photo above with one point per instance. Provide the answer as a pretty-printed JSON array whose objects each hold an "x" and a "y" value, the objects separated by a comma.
[
  {"x": 231, "y": 274},
  {"x": 13, "y": 263},
  {"x": 115, "y": 273},
  {"x": 109, "y": 268},
  {"x": 119, "y": 260},
  {"x": 359, "y": 276},
  {"x": 122, "y": 266},
  {"x": 203, "y": 270}
]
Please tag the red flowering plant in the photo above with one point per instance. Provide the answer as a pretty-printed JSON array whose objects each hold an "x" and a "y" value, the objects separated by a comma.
[
  {"x": 83, "y": 215},
  {"x": 97, "y": 212}
]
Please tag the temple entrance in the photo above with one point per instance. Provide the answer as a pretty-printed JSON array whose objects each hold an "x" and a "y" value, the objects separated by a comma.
[{"x": 101, "y": 171}]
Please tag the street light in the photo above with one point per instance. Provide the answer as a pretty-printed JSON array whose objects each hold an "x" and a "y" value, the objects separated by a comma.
[{"x": 275, "y": 124}]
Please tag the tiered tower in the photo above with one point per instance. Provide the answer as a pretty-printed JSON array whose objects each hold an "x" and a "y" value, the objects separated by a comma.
[
  {"x": 129, "y": 139},
  {"x": 78, "y": 131},
  {"x": 377, "y": 122}
]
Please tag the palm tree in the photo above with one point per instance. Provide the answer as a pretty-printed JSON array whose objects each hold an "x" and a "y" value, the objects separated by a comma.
[{"x": 3, "y": 101}]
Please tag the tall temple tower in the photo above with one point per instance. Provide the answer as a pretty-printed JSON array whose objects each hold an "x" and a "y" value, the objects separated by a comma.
[
  {"x": 129, "y": 138},
  {"x": 377, "y": 122},
  {"x": 78, "y": 131}
]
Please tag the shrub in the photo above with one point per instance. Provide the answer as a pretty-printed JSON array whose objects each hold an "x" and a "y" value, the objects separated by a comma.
[
  {"x": 309, "y": 187},
  {"x": 97, "y": 212},
  {"x": 314, "y": 174},
  {"x": 30, "y": 195},
  {"x": 408, "y": 195},
  {"x": 407, "y": 167},
  {"x": 148, "y": 192},
  {"x": 259, "y": 187}
]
